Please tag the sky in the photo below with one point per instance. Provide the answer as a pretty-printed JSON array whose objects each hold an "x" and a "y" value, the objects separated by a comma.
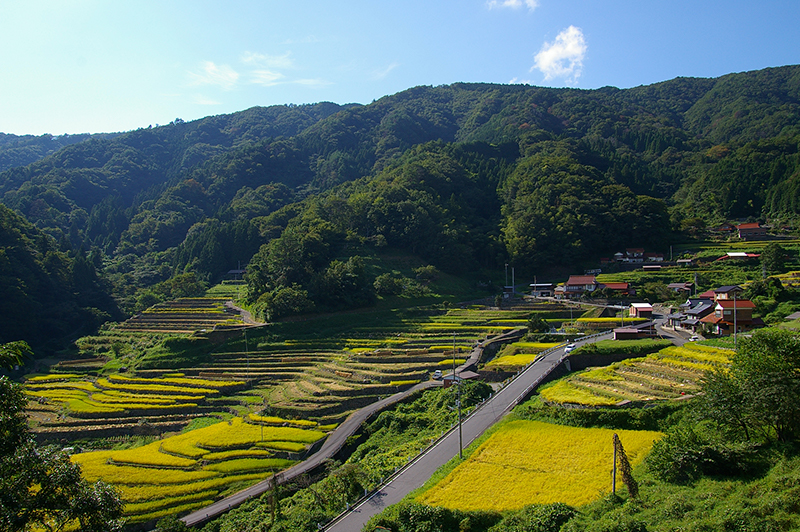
[{"x": 97, "y": 66}]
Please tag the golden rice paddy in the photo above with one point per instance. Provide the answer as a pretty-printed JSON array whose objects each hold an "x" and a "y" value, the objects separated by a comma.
[
  {"x": 671, "y": 373},
  {"x": 192, "y": 469},
  {"x": 544, "y": 463}
]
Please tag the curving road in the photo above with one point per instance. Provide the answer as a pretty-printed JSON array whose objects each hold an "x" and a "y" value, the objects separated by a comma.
[
  {"x": 418, "y": 471},
  {"x": 332, "y": 444},
  {"x": 329, "y": 448}
]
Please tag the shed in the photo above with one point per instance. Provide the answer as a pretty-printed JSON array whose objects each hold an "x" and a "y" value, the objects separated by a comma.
[
  {"x": 641, "y": 310},
  {"x": 465, "y": 375},
  {"x": 626, "y": 333}
]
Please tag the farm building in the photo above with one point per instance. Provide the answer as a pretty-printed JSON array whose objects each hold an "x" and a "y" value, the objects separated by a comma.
[
  {"x": 542, "y": 289},
  {"x": 641, "y": 310},
  {"x": 465, "y": 375},
  {"x": 626, "y": 333}
]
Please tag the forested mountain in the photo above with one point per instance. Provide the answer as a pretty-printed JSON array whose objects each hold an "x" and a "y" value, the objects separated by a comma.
[
  {"x": 21, "y": 150},
  {"x": 465, "y": 176},
  {"x": 47, "y": 295}
]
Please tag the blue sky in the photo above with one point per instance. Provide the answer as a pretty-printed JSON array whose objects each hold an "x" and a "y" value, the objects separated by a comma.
[{"x": 78, "y": 66}]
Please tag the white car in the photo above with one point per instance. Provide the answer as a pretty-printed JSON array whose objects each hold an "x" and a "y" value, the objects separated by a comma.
[
  {"x": 694, "y": 338},
  {"x": 437, "y": 374},
  {"x": 569, "y": 348}
]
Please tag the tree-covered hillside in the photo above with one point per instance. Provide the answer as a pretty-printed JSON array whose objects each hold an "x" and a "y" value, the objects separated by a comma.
[
  {"x": 47, "y": 295},
  {"x": 465, "y": 177}
]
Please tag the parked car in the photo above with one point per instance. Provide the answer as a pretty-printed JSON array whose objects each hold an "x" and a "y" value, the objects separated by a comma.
[
  {"x": 694, "y": 338},
  {"x": 569, "y": 348},
  {"x": 437, "y": 374}
]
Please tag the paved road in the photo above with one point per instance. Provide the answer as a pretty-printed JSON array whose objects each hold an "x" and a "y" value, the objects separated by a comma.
[
  {"x": 333, "y": 443},
  {"x": 330, "y": 447},
  {"x": 419, "y": 471}
]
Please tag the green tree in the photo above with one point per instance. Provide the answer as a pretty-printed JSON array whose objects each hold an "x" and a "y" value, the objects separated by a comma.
[
  {"x": 760, "y": 397},
  {"x": 14, "y": 354},
  {"x": 40, "y": 487},
  {"x": 537, "y": 324},
  {"x": 773, "y": 258}
]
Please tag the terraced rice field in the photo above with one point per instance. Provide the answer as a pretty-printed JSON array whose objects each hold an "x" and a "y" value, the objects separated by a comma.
[
  {"x": 191, "y": 470},
  {"x": 185, "y": 315},
  {"x": 671, "y": 373},
  {"x": 76, "y": 396},
  {"x": 294, "y": 388},
  {"x": 544, "y": 463}
]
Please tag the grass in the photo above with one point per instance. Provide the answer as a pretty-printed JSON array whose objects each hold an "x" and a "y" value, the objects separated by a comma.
[
  {"x": 565, "y": 392},
  {"x": 544, "y": 463},
  {"x": 513, "y": 361}
]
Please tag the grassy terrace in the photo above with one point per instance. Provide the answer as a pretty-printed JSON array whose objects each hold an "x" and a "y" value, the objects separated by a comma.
[
  {"x": 184, "y": 315},
  {"x": 191, "y": 470},
  {"x": 670, "y": 373},
  {"x": 291, "y": 381}
]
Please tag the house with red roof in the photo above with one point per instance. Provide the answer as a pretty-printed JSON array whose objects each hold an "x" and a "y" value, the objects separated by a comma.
[
  {"x": 576, "y": 285},
  {"x": 751, "y": 231},
  {"x": 732, "y": 315}
]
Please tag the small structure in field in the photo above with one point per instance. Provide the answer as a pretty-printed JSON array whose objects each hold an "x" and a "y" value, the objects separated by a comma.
[{"x": 641, "y": 310}]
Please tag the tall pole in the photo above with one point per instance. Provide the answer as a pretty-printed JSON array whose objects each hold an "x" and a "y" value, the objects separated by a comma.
[
  {"x": 734, "y": 320},
  {"x": 246, "y": 355},
  {"x": 458, "y": 402}
]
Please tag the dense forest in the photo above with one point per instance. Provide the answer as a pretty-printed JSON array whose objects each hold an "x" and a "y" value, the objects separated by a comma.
[{"x": 466, "y": 177}]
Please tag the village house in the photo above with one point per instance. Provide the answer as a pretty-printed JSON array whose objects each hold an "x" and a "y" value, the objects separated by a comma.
[
  {"x": 732, "y": 315},
  {"x": 681, "y": 287},
  {"x": 690, "y": 314},
  {"x": 724, "y": 228},
  {"x": 751, "y": 231},
  {"x": 727, "y": 292},
  {"x": 576, "y": 285}
]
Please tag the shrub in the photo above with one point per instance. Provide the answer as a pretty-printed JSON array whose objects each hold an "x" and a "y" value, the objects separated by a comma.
[
  {"x": 536, "y": 518},
  {"x": 683, "y": 456}
]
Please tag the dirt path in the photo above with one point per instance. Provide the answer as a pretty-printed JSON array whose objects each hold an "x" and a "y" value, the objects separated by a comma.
[{"x": 246, "y": 316}]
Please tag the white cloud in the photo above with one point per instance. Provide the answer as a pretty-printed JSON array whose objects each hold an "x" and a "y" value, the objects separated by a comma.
[
  {"x": 380, "y": 74},
  {"x": 213, "y": 74},
  {"x": 267, "y": 78},
  {"x": 513, "y": 4},
  {"x": 268, "y": 61},
  {"x": 562, "y": 58}
]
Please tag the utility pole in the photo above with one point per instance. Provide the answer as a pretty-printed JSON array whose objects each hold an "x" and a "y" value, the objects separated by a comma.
[
  {"x": 458, "y": 402},
  {"x": 734, "y": 320},
  {"x": 246, "y": 355}
]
